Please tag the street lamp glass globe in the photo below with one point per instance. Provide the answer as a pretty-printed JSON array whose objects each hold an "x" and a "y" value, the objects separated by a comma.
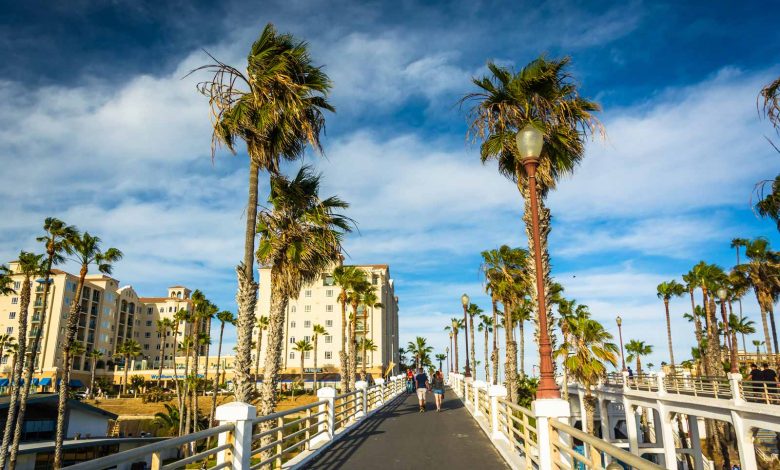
[
  {"x": 464, "y": 299},
  {"x": 619, "y": 321},
  {"x": 529, "y": 142},
  {"x": 722, "y": 293},
  {"x": 614, "y": 466}
]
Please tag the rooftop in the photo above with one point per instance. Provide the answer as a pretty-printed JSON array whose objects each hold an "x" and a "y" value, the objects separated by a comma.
[{"x": 51, "y": 398}]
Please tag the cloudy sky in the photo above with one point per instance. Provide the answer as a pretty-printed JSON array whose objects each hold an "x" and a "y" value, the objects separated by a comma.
[{"x": 99, "y": 127}]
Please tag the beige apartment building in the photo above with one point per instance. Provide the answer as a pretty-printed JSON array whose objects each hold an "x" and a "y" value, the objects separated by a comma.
[
  {"x": 318, "y": 304},
  {"x": 110, "y": 314}
]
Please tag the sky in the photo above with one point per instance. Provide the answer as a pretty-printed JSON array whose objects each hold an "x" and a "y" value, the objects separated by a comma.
[{"x": 102, "y": 128}]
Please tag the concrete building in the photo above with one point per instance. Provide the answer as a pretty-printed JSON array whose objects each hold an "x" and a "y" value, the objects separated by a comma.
[{"x": 318, "y": 304}]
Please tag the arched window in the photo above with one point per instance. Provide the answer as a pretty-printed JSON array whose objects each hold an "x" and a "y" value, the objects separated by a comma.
[
  {"x": 178, "y": 294},
  {"x": 124, "y": 305}
]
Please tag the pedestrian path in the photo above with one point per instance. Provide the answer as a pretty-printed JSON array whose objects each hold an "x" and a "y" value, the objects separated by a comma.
[{"x": 399, "y": 437}]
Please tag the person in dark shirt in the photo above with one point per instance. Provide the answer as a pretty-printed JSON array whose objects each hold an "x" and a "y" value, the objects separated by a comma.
[
  {"x": 421, "y": 383},
  {"x": 755, "y": 375},
  {"x": 756, "y": 388}
]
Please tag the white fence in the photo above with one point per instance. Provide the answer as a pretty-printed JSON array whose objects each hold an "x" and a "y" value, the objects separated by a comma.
[{"x": 287, "y": 439}]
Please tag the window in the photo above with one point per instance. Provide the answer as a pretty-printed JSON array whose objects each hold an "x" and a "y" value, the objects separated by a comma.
[
  {"x": 307, "y": 293},
  {"x": 15, "y": 300},
  {"x": 11, "y": 315},
  {"x": 307, "y": 324},
  {"x": 329, "y": 293},
  {"x": 307, "y": 308},
  {"x": 292, "y": 355},
  {"x": 328, "y": 339},
  {"x": 328, "y": 355},
  {"x": 292, "y": 309},
  {"x": 148, "y": 335},
  {"x": 292, "y": 339},
  {"x": 329, "y": 323},
  {"x": 107, "y": 311},
  {"x": 4, "y": 360},
  {"x": 170, "y": 309},
  {"x": 148, "y": 322},
  {"x": 292, "y": 324},
  {"x": 17, "y": 284},
  {"x": 149, "y": 310},
  {"x": 307, "y": 338},
  {"x": 307, "y": 355},
  {"x": 10, "y": 330},
  {"x": 329, "y": 308},
  {"x": 374, "y": 279},
  {"x": 158, "y": 347},
  {"x": 327, "y": 280},
  {"x": 146, "y": 346}
]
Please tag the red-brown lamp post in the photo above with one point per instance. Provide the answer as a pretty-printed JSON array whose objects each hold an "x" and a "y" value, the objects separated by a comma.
[
  {"x": 722, "y": 294},
  {"x": 464, "y": 299},
  {"x": 619, "y": 322},
  {"x": 529, "y": 144}
]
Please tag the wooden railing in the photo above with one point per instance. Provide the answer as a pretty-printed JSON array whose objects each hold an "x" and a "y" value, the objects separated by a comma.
[{"x": 698, "y": 386}]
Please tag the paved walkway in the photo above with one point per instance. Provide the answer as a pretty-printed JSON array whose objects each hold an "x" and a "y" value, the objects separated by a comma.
[{"x": 399, "y": 437}]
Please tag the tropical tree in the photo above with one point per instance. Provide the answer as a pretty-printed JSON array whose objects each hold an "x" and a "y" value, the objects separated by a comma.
[
  {"x": 169, "y": 419},
  {"x": 472, "y": 311},
  {"x": 299, "y": 237},
  {"x": 741, "y": 326},
  {"x": 262, "y": 325},
  {"x": 636, "y": 350},
  {"x": 441, "y": 358},
  {"x": 346, "y": 277},
  {"x": 355, "y": 298},
  {"x": 758, "y": 345},
  {"x": 94, "y": 356},
  {"x": 667, "y": 290},
  {"x": 6, "y": 281},
  {"x": 5, "y": 339},
  {"x": 317, "y": 330},
  {"x": 366, "y": 344},
  {"x": 491, "y": 280},
  {"x": 709, "y": 278},
  {"x": 542, "y": 94},
  {"x": 302, "y": 347},
  {"x": 128, "y": 350},
  {"x": 585, "y": 356},
  {"x": 276, "y": 108},
  {"x": 180, "y": 317},
  {"x": 84, "y": 249},
  {"x": 421, "y": 351},
  {"x": 761, "y": 271},
  {"x": 691, "y": 284},
  {"x": 224, "y": 317},
  {"x": 486, "y": 326},
  {"x": 522, "y": 313},
  {"x": 30, "y": 266},
  {"x": 163, "y": 326},
  {"x": 454, "y": 327}
]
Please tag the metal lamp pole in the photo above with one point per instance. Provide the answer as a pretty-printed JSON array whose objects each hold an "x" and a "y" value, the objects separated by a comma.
[
  {"x": 529, "y": 143},
  {"x": 464, "y": 299},
  {"x": 619, "y": 322}
]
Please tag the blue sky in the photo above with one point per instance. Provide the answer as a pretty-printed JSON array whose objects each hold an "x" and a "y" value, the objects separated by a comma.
[{"x": 100, "y": 129}]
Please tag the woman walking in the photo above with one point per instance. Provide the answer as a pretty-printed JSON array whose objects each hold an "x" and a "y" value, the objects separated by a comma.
[{"x": 438, "y": 389}]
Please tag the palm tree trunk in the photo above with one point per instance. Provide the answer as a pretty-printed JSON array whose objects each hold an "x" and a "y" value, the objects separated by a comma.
[
  {"x": 216, "y": 376},
  {"x": 92, "y": 379},
  {"x": 771, "y": 309},
  {"x": 303, "y": 386},
  {"x": 352, "y": 366},
  {"x": 457, "y": 369},
  {"x": 363, "y": 369},
  {"x": 246, "y": 296},
  {"x": 257, "y": 358},
  {"x": 11, "y": 423},
  {"x": 176, "y": 383},
  {"x": 590, "y": 411},
  {"x": 495, "y": 341},
  {"x": 696, "y": 320},
  {"x": 162, "y": 356},
  {"x": 510, "y": 365},
  {"x": 471, "y": 335},
  {"x": 127, "y": 370},
  {"x": 487, "y": 362},
  {"x": 273, "y": 356},
  {"x": 765, "y": 324},
  {"x": 184, "y": 418},
  {"x": 70, "y": 336},
  {"x": 669, "y": 332},
  {"x": 194, "y": 407},
  {"x": 343, "y": 361},
  {"x": 522, "y": 349},
  {"x": 314, "y": 384}
]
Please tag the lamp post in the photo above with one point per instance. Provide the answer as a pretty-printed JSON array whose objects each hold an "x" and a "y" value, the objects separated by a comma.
[
  {"x": 464, "y": 299},
  {"x": 529, "y": 144},
  {"x": 619, "y": 322},
  {"x": 722, "y": 294},
  {"x": 447, "y": 350}
]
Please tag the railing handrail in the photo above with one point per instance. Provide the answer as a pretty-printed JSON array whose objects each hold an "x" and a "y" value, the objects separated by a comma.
[
  {"x": 281, "y": 414},
  {"x": 122, "y": 457},
  {"x": 614, "y": 451}
]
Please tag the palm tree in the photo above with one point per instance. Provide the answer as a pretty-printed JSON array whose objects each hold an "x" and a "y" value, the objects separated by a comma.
[
  {"x": 420, "y": 349},
  {"x": 163, "y": 326},
  {"x": 441, "y": 358},
  {"x": 262, "y": 325},
  {"x": 224, "y": 317},
  {"x": 768, "y": 205},
  {"x": 544, "y": 95},
  {"x": 128, "y": 350},
  {"x": 491, "y": 280},
  {"x": 691, "y": 284},
  {"x": 299, "y": 238},
  {"x": 636, "y": 350},
  {"x": 303, "y": 346},
  {"x": 761, "y": 271},
  {"x": 667, "y": 290},
  {"x": 710, "y": 277},
  {"x": 6, "y": 281},
  {"x": 278, "y": 111},
  {"x": 85, "y": 250},
  {"x": 94, "y": 356},
  {"x": 168, "y": 420},
  {"x": 355, "y": 298},
  {"x": 741, "y": 326},
  {"x": 472, "y": 311},
  {"x": 181, "y": 316},
  {"x": 366, "y": 344},
  {"x": 5, "y": 339},
  {"x": 454, "y": 327},
  {"x": 522, "y": 313},
  {"x": 318, "y": 330},
  {"x": 758, "y": 345},
  {"x": 485, "y": 326},
  {"x": 585, "y": 356},
  {"x": 30, "y": 266},
  {"x": 346, "y": 277}
]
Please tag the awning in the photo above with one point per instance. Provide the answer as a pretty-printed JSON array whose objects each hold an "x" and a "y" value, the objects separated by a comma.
[
  {"x": 76, "y": 383},
  {"x": 45, "y": 382},
  {"x": 3, "y": 382},
  {"x": 35, "y": 380}
]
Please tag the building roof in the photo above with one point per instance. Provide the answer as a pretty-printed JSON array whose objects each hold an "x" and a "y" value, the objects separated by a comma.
[
  {"x": 177, "y": 287},
  {"x": 161, "y": 299},
  {"x": 52, "y": 398},
  {"x": 48, "y": 446}
]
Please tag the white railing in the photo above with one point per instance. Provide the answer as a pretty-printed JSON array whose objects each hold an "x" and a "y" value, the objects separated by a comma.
[
  {"x": 527, "y": 441},
  {"x": 285, "y": 439}
]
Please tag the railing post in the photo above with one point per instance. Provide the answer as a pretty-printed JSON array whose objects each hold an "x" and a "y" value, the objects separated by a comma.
[
  {"x": 661, "y": 384},
  {"x": 328, "y": 420},
  {"x": 735, "y": 381},
  {"x": 466, "y": 382},
  {"x": 478, "y": 384},
  {"x": 667, "y": 437},
  {"x": 625, "y": 380},
  {"x": 362, "y": 385},
  {"x": 381, "y": 383},
  {"x": 546, "y": 410},
  {"x": 745, "y": 443},
  {"x": 279, "y": 440},
  {"x": 494, "y": 393},
  {"x": 242, "y": 416}
]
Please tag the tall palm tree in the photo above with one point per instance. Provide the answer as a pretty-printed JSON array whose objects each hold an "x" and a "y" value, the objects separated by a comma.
[
  {"x": 691, "y": 284},
  {"x": 299, "y": 237},
  {"x": 276, "y": 108},
  {"x": 6, "y": 281},
  {"x": 366, "y": 344},
  {"x": 441, "y": 358},
  {"x": 667, "y": 290},
  {"x": 636, "y": 350},
  {"x": 163, "y": 326},
  {"x": 368, "y": 300},
  {"x": 355, "y": 299},
  {"x": 128, "y": 350},
  {"x": 303, "y": 346},
  {"x": 485, "y": 326},
  {"x": 543, "y": 94},
  {"x": 758, "y": 344},
  {"x": 710, "y": 277},
  {"x": 454, "y": 327},
  {"x": 472, "y": 311},
  {"x": 224, "y": 317},
  {"x": 203, "y": 310},
  {"x": 180, "y": 317},
  {"x": 768, "y": 205},
  {"x": 761, "y": 271},
  {"x": 491, "y": 280},
  {"x": 741, "y": 326},
  {"x": 346, "y": 277},
  {"x": 420, "y": 349},
  {"x": 317, "y": 330},
  {"x": 5, "y": 339},
  {"x": 94, "y": 356},
  {"x": 522, "y": 313},
  {"x": 262, "y": 325},
  {"x": 30, "y": 266},
  {"x": 84, "y": 249},
  {"x": 585, "y": 356}
]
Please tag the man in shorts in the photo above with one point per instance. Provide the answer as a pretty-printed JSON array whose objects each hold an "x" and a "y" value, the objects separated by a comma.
[{"x": 421, "y": 383}]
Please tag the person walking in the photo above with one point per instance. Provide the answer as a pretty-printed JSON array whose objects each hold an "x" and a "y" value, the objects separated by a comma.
[
  {"x": 409, "y": 381},
  {"x": 438, "y": 389},
  {"x": 422, "y": 384},
  {"x": 770, "y": 376}
]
